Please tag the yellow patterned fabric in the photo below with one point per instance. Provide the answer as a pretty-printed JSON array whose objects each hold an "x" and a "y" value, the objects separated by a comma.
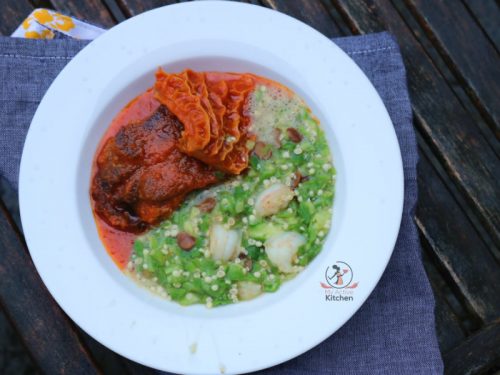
[{"x": 48, "y": 24}]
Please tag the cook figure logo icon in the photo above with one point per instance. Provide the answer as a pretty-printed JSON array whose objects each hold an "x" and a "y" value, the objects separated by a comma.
[{"x": 339, "y": 275}]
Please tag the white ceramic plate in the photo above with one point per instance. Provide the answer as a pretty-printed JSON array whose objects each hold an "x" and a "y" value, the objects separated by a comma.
[{"x": 100, "y": 80}]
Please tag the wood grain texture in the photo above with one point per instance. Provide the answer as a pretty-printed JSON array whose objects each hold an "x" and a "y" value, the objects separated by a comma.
[
  {"x": 115, "y": 10},
  {"x": 314, "y": 13},
  {"x": 94, "y": 11},
  {"x": 135, "y": 7},
  {"x": 444, "y": 123},
  {"x": 467, "y": 51},
  {"x": 449, "y": 328},
  {"x": 457, "y": 246},
  {"x": 47, "y": 333},
  {"x": 448, "y": 75},
  {"x": 14, "y": 359},
  {"x": 478, "y": 354},
  {"x": 112, "y": 363},
  {"x": 487, "y": 14},
  {"x": 468, "y": 211},
  {"x": 13, "y": 12}
]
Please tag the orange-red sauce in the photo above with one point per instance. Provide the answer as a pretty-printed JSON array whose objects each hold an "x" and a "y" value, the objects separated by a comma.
[{"x": 119, "y": 244}]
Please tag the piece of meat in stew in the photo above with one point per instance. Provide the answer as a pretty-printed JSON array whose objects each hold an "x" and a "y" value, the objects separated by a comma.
[{"x": 141, "y": 177}]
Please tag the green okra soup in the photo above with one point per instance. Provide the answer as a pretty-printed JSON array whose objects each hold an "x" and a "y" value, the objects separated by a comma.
[{"x": 257, "y": 217}]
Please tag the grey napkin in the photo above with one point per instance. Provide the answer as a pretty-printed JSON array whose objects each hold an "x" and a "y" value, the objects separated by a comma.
[{"x": 393, "y": 332}]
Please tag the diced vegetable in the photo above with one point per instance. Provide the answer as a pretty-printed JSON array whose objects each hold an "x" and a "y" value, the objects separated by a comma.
[{"x": 263, "y": 230}]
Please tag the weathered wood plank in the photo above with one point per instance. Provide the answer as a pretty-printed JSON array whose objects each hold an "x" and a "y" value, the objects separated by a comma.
[
  {"x": 112, "y": 363},
  {"x": 450, "y": 332},
  {"x": 448, "y": 75},
  {"x": 93, "y": 11},
  {"x": 465, "y": 48},
  {"x": 337, "y": 18},
  {"x": 314, "y": 13},
  {"x": 12, "y": 14},
  {"x": 448, "y": 128},
  {"x": 14, "y": 359},
  {"x": 478, "y": 354},
  {"x": 115, "y": 10},
  {"x": 459, "y": 198},
  {"x": 34, "y": 313},
  {"x": 135, "y": 7},
  {"x": 108, "y": 361},
  {"x": 457, "y": 246},
  {"x": 487, "y": 14}
]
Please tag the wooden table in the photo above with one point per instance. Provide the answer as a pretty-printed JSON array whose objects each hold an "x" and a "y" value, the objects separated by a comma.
[{"x": 451, "y": 51}]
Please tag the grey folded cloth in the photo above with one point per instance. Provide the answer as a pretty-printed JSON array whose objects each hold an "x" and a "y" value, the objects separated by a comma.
[{"x": 393, "y": 332}]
